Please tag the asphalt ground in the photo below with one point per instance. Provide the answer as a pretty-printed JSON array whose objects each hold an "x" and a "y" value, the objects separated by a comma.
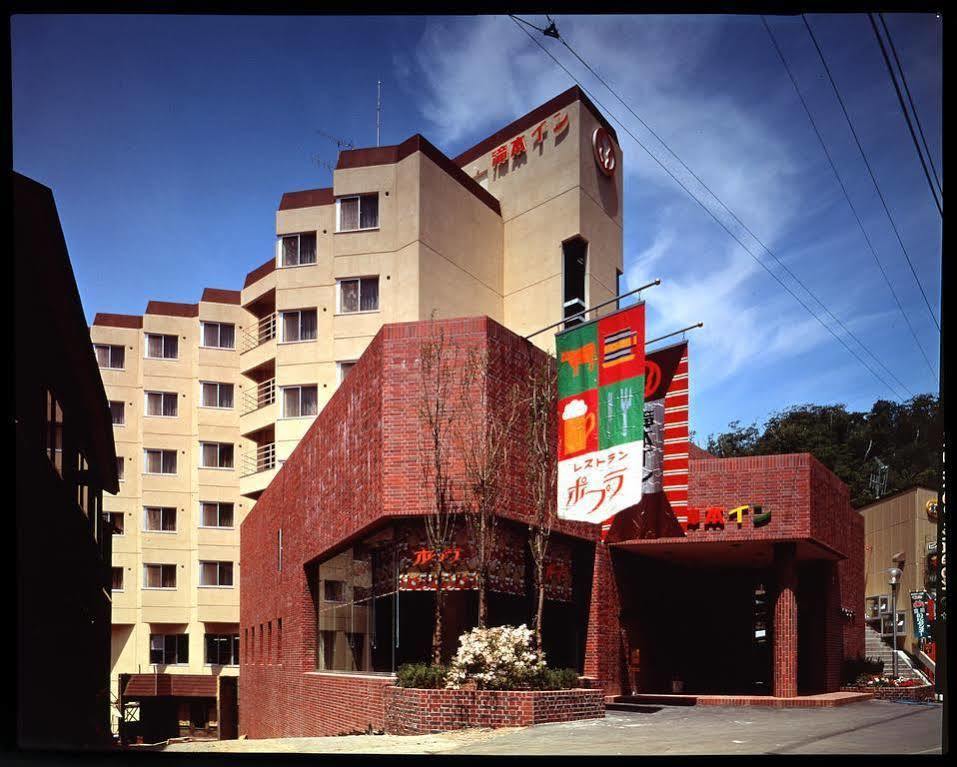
[{"x": 871, "y": 727}]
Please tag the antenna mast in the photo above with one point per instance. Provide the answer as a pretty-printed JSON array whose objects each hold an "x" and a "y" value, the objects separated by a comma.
[{"x": 378, "y": 110}]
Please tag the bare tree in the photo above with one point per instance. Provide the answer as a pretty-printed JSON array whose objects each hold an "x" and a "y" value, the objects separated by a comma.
[
  {"x": 541, "y": 402},
  {"x": 437, "y": 414},
  {"x": 484, "y": 436}
]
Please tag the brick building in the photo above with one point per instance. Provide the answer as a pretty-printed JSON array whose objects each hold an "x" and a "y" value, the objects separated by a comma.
[{"x": 333, "y": 603}]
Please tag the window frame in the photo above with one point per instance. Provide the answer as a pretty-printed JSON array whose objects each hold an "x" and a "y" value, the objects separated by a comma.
[
  {"x": 161, "y": 529},
  {"x": 219, "y": 331},
  {"x": 111, "y": 347},
  {"x": 163, "y": 395},
  {"x": 122, "y": 527},
  {"x": 122, "y": 404},
  {"x": 219, "y": 447},
  {"x": 122, "y": 571},
  {"x": 219, "y": 385},
  {"x": 178, "y": 639},
  {"x": 219, "y": 564},
  {"x": 300, "y": 387},
  {"x": 161, "y": 565},
  {"x": 282, "y": 324},
  {"x": 161, "y": 450},
  {"x": 218, "y": 505},
  {"x": 359, "y": 280},
  {"x": 234, "y": 649},
  {"x": 164, "y": 336},
  {"x": 359, "y": 228},
  {"x": 298, "y": 236},
  {"x": 120, "y": 472},
  {"x": 340, "y": 376}
]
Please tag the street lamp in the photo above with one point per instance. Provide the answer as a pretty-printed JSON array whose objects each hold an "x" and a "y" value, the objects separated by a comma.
[{"x": 895, "y": 574}]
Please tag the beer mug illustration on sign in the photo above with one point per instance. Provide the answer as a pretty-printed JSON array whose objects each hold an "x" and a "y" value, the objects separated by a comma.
[{"x": 578, "y": 424}]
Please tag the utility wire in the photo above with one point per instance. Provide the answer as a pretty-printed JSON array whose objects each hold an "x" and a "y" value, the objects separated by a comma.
[
  {"x": 870, "y": 171},
  {"x": 900, "y": 101},
  {"x": 735, "y": 217},
  {"x": 709, "y": 211},
  {"x": 847, "y": 196}
]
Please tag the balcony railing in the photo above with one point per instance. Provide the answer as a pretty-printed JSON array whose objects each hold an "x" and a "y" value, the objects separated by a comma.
[
  {"x": 264, "y": 394},
  {"x": 258, "y": 334},
  {"x": 263, "y": 459}
]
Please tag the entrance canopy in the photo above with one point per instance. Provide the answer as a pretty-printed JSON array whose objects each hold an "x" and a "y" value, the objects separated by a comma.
[{"x": 738, "y": 554}]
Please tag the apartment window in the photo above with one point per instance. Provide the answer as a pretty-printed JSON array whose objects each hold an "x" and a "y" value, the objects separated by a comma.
[
  {"x": 118, "y": 412},
  {"x": 344, "y": 368},
  {"x": 334, "y": 591},
  {"x": 219, "y": 335},
  {"x": 169, "y": 649},
  {"x": 354, "y": 214},
  {"x": 215, "y": 573},
  {"x": 160, "y": 461},
  {"x": 299, "y": 325},
  {"x": 222, "y": 649},
  {"x": 217, "y": 394},
  {"x": 300, "y": 401},
  {"x": 159, "y": 576},
  {"x": 162, "y": 346},
  {"x": 117, "y": 584},
  {"x": 162, "y": 403},
  {"x": 120, "y": 467},
  {"x": 360, "y": 294},
  {"x": 298, "y": 249},
  {"x": 107, "y": 356},
  {"x": 116, "y": 522},
  {"x": 215, "y": 514},
  {"x": 216, "y": 455},
  {"x": 159, "y": 519},
  {"x": 575, "y": 258}
]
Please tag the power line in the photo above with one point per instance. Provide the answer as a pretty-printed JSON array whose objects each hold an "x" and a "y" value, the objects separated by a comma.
[
  {"x": 710, "y": 212},
  {"x": 847, "y": 196},
  {"x": 900, "y": 101},
  {"x": 870, "y": 171}
]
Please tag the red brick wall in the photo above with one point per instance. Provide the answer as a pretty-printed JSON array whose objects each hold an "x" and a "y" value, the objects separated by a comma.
[{"x": 417, "y": 712}]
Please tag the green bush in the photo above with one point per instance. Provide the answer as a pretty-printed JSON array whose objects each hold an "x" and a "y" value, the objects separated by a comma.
[
  {"x": 421, "y": 675},
  {"x": 543, "y": 679}
]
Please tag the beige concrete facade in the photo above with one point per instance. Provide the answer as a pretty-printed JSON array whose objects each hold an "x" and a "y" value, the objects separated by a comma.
[
  {"x": 898, "y": 524},
  {"x": 452, "y": 238}
]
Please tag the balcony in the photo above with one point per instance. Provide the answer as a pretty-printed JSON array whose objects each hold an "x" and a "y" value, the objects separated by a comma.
[
  {"x": 260, "y": 460},
  {"x": 263, "y": 395},
  {"x": 257, "y": 345}
]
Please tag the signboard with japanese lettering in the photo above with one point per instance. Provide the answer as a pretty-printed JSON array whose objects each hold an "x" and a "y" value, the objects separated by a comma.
[
  {"x": 666, "y": 439},
  {"x": 918, "y": 603},
  {"x": 601, "y": 394}
]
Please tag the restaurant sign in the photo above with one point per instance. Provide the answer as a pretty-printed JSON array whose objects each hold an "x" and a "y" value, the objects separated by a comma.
[
  {"x": 920, "y": 602},
  {"x": 601, "y": 391}
]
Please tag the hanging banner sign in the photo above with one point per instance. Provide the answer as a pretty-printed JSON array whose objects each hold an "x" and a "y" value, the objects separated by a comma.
[
  {"x": 666, "y": 437},
  {"x": 918, "y": 603},
  {"x": 601, "y": 394}
]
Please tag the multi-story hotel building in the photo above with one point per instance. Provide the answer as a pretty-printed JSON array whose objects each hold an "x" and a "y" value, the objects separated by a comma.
[{"x": 210, "y": 398}]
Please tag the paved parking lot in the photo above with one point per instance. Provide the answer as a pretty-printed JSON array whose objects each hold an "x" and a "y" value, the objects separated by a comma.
[{"x": 872, "y": 727}]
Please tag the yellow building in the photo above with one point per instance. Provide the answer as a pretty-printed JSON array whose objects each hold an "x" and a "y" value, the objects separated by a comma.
[{"x": 210, "y": 398}]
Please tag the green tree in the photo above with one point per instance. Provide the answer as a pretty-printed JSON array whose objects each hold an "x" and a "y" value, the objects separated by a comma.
[{"x": 905, "y": 437}]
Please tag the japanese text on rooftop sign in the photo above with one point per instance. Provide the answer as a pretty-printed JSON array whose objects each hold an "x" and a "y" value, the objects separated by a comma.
[{"x": 601, "y": 390}]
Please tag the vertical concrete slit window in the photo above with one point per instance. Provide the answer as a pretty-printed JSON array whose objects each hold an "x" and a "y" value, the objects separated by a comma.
[
  {"x": 109, "y": 356},
  {"x": 353, "y": 214},
  {"x": 574, "y": 259},
  {"x": 222, "y": 649},
  {"x": 162, "y": 347},
  {"x": 162, "y": 403},
  {"x": 299, "y": 325},
  {"x": 169, "y": 649},
  {"x": 219, "y": 335},
  {"x": 117, "y": 584},
  {"x": 216, "y": 455},
  {"x": 159, "y": 576},
  {"x": 216, "y": 514},
  {"x": 118, "y": 412},
  {"x": 279, "y": 550},
  {"x": 216, "y": 574},
  {"x": 359, "y": 294},
  {"x": 300, "y": 401},
  {"x": 53, "y": 432},
  {"x": 218, "y": 395},
  {"x": 279, "y": 640},
  {"x": 159, "y": 519},
  {"x": 298, "y": 249},
  {"x": 159, "y": 461}
]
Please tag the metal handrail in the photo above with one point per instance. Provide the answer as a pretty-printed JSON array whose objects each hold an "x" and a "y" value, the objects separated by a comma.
[
  {"x": 258, "y": 334},
  {"x": 264, "y": 394},
  {"x": 263, "y": 459}
]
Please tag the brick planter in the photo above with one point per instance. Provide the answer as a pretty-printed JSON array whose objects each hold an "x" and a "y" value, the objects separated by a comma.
[
  {"x": 923, "y": 692},
  {"x": 411, "y": 711}
]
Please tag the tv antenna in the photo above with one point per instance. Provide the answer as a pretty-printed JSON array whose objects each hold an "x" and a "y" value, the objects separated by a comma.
[
  {"x": 378, "y": 110},
  {"x": 339, "y": 142}
]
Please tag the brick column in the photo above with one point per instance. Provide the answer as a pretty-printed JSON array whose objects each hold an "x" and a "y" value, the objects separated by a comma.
[
  {"x": 785, "y": 621},
  {"x": 603, "y": 648}
]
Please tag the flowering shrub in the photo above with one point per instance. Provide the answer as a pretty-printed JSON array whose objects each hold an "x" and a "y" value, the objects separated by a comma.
[
  {"x": 497, "y": 658},
  {"x": 883, "y": 681}
]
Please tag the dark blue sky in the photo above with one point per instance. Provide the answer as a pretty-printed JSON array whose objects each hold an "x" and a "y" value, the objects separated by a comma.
[{"x": 168, "y": 142}]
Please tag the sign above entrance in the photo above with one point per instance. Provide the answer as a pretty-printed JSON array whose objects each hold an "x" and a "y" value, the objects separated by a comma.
[
  {"x": 517, "y": 147},
  {"x": 601, "y": 391}
]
